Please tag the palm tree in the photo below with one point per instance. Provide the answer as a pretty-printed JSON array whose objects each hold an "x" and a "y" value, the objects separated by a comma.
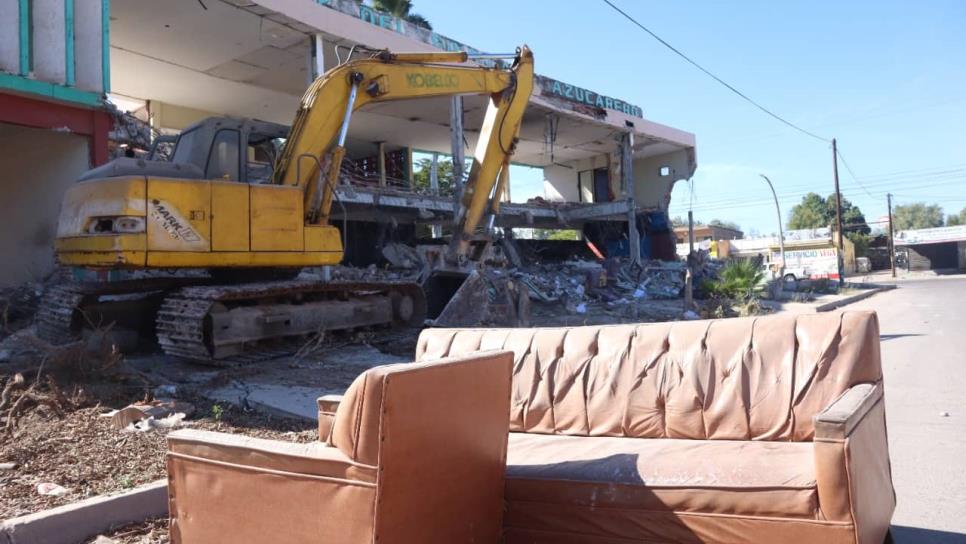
[{"x": 403, "y": 10}]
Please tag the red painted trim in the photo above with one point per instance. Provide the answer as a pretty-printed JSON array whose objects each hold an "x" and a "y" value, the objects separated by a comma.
[
  {"x": 101, "y": 122},
  {"x": 29, "y": 112}
]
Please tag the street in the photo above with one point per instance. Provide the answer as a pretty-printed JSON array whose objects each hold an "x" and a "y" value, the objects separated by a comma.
[{"x": 922, "y": 327}]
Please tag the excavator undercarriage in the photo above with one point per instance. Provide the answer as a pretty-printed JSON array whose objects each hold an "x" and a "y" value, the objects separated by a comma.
[{"x": 218, "y": 324}]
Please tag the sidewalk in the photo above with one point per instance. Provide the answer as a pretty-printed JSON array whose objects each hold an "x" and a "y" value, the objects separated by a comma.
[
  {"x": 885, "y": 276},
  {"x": 853, "y": 292}
]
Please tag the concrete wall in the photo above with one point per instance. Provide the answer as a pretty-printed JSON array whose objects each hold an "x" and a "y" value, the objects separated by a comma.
[
  {"x": 651, "y": 190},
  {"x": 49, "y": 44},
  {"x": 165, "y": 116},
  {"x": 88, "y": 52},
  {"x": 36, "y": 167},
  {"x": 9, "y": 36},
  {"x": 560, "y": 180}
]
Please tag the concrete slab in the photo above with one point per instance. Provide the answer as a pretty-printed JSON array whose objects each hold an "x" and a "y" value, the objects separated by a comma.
[
  {"x": 279, "y": 400},
  {"x": 79, "y": 521},
  {"x": 289, "y": 389}
]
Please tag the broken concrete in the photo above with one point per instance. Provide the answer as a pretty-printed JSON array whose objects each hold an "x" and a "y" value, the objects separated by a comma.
[{"x": 281, "y": 390}]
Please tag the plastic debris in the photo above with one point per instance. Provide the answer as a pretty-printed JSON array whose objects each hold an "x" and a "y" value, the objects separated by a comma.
[
  {"x": 52, "y": 490},
  {"x": 172, "y": 421}
]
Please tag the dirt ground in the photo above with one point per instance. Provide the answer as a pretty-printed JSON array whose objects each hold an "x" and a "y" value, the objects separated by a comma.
[{"x": 84, "y": 454}]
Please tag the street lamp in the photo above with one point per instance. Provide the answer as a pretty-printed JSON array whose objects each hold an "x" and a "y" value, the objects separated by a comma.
[{"x": 781, "y": 234}]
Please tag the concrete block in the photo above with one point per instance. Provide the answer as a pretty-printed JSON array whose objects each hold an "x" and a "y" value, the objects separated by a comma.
[{"x": 82, "y": 520}]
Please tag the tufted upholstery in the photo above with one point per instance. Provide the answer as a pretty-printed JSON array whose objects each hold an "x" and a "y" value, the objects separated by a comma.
[
  {"x": 732, "y": 379},
  {"x": 766, "y": 429}
]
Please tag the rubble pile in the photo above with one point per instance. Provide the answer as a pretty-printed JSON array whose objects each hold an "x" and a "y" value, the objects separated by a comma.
[
  {"x": 614, "y": 282},
  {"x": 18, "y": 305}
]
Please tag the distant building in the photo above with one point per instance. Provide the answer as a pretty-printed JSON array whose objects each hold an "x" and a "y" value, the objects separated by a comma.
[
  {"x": 932, "y": 249},
  {"x": 704, "y": 233}
]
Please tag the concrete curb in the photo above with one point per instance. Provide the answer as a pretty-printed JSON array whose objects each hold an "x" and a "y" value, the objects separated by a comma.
[
  {"x": 828, "y": 306},
  {"x": 76, "y": 522}
]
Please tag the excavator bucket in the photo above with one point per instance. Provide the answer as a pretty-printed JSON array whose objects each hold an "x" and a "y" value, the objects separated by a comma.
[{"x": 458, "y": 298}]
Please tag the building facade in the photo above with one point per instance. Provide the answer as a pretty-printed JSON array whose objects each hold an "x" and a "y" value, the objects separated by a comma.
[{"x": 54, "y": 72}]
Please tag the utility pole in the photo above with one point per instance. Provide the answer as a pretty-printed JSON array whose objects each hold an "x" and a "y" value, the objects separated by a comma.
[
  {"x": 838, "y": 211},
  {"x": 892, "y": 247},
  {"x": 690, "y": 232}
]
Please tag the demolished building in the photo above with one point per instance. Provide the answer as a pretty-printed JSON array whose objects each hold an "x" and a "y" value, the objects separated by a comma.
[{"x": 605, "y": 167}]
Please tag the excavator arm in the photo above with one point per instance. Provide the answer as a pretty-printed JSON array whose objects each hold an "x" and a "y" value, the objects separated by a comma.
[{"x": 315, "y": 148}]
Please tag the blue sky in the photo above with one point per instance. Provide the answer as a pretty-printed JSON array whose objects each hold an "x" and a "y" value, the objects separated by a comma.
[{"x": 886, "y": 78}]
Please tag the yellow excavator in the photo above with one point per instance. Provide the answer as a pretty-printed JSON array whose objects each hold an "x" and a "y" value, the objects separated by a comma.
[{"x": 204, "y": 248}]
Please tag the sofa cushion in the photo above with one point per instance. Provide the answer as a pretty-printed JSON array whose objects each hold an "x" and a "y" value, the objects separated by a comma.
[
  {"x": 757, "y": 378},
  {"x": 704, "y": 476}
]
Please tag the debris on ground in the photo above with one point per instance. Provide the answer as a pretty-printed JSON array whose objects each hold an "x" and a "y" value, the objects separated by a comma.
[
  {"x": 18, "y": 305},
  {"x": 615, "y": 287},
  {"x": 157, "y": 410},
  {"x": 85, "y": 454},
  {"x": 152, "y": 531},
  {"x": 52, "y": 490}
]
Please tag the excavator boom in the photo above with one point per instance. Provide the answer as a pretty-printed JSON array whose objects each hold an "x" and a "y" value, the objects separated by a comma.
[{"x": 316, "y": 145}]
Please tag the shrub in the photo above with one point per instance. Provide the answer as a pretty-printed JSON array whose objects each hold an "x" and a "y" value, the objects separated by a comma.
[{"x": 739, "y": 279}]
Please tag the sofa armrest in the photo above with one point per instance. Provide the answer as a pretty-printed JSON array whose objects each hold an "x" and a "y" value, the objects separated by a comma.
[
  {"x": 231, "y": 488},
  {"x": 328, "y": 405},
  {"x": 852, "y": 468},
  {"x": 841, "y": 417}
]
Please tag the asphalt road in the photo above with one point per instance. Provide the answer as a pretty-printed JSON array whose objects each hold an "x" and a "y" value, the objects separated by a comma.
[{"x": 923, "y": 328}]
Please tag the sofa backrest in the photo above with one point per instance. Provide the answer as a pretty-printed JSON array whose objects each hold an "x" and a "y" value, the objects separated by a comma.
[{"x": 757, "y": 378}]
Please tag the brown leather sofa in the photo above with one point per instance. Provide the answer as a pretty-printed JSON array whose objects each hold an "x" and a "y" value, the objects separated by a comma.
[
  {"x": 416, "y": 453},
  {"x": 766, "y": 429}
]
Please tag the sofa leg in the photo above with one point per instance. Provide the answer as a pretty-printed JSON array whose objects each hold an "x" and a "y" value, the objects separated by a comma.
[{"x": 888, "y": 538}]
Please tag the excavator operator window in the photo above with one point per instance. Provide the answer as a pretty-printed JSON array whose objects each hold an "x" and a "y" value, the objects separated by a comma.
[{"x": 223, "y": 160}]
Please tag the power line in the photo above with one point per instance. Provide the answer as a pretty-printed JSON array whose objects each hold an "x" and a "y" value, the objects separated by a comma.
[
  {"x": 787, "y": 198},
  {"x": 851, "y": 173},
  {"x": 716, "y": 78}
]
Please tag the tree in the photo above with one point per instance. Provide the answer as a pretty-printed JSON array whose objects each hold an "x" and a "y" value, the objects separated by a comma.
[
  {"x": 815, "y": 212},
  {"x": 956, "y": 218},
  {"x": 810, "y": 213},
  {"x": 917, "y": 215},
  {"x": 444, "y": 172},
  {"x": 403, "y": 10},
  {"x": 725, "y": 224}
]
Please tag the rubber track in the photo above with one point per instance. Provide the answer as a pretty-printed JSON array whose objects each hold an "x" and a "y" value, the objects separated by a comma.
[
  {"x": 55, "y": 316},
  {"x": 181, "y": 318},
  {"x": 59, "y": 317}
]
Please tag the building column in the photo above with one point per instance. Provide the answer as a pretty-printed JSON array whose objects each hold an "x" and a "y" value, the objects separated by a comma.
[
  {"x": 382, "y": 163},
  {"x": 627, "y": 187},
  {"x": 316, "y": 57},
  {"x": 456, "y": 143},
  {"x": 410, "y": 170},
  {"x": 437, "y": 229}
]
